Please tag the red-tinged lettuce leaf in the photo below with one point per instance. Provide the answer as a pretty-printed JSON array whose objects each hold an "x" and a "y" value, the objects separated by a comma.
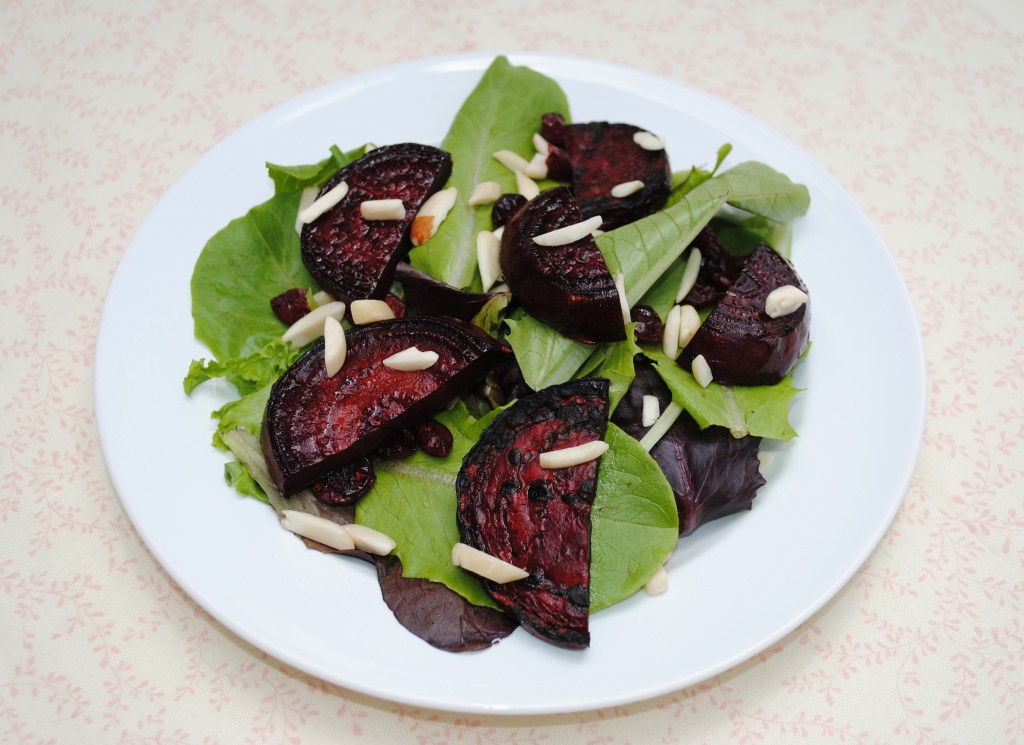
[{"x": 712, "y": 473}]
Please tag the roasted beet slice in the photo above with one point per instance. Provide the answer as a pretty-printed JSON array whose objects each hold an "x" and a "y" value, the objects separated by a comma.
[
  {"x": 604, "y": 155},
  {"x": 718, "y": 270},
  {"x": 712, "y": 473},
  {"x": 567, "y": 287},
  {"x": 742, "y": 344},
  {"x": 352, "y": 257},
  {"x": 290, "y": 305},
  {"x": 346, "y": 483},
  {"x": 314, "y": 423},
  {"x": 424, "y": 294},
  {"x": 537, "y": 518}
]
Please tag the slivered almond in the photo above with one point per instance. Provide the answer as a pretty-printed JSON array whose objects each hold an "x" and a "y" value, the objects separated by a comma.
[
  {"x": 540, "y": 144},
  {"x": 670, "y": 334},
  {"x": 499, "y": 231},
  {"x": 658, "y": 582},
  {"x": 573, "y": 456},
  {"x": 382, "y": 209},
  {"x": 701, "y": 371},
  {"x": 324, "y": 203},
  {"x": 626, "y": 188},
  {"x": 569, "y": 233},
  {"x": 484, "y": 565},
  {"x": 323, "y": 297},
  {"x": 369, "y": 540},
  {"x": 690, "y": 272},
  {"x": 305, "y": 200},
  {"x": 370, "y": 311},
  {"x": 486, "y": 192},
  {"x": 432, "y": 214},
  {"x": 526, "y": 186},
  {"x": 648, "y": 141},
  {"x": 620, "y": 289},
  {"x": 784, "y": 300},
  {"x": 650, "y": 411},
  {"x": 689, "y": 322},
  {"x": 311, "y": 325},
  {"x": 537, "y": 168},
  {"x": 317, "y": 529},
  {"x": 512, "y": 161},
  {"x": 487, "y": 247},
  {"x": 335, "y": 347},
  {"x": 411, "y": 359}
]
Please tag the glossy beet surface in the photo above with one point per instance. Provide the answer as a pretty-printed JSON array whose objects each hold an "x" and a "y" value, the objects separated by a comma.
[
  {"x": 603, "y": 155},
  {"x": 314, "y": 424},
  {"x": 741, "y": 343},
  {"x": 352, "y": 257},
  {"x": 568, "y": 287},
  {"x": 536, "y": 518},
  {"x": 718, "y": 270},
  {"x": 424, "y": 294},
  {"x": 712, "y": 473}
]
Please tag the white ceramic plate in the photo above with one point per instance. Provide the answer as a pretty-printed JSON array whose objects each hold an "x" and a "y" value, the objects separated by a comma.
[{"x": 737, "y": 585}]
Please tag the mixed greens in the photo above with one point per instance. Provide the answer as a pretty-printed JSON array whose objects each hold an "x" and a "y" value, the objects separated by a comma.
[{"x": 634, "y": 521}]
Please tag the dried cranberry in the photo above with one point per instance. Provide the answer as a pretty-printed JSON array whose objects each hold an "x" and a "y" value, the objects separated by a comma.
[
  {"x": 433, "y": 438},
  {"x": 290, "y": 305},
  {"x": 506, "y": 206},
  {"x": 345, "y": 484},
  {"x": 649, "y": 327},
  {"x": 552, "y": 129},
  {"x": 401, "y": 444}
]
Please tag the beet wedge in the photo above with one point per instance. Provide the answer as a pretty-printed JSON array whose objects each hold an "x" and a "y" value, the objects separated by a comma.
[
  {"x": 536, "y": 518},
  {"x": 352, "y": 257},
  {"x": 603, "y": 155},
  {"x": 314, "y": 424},
  {"x": 741, "y": 343},
  {"x": 567, "y": 287}
]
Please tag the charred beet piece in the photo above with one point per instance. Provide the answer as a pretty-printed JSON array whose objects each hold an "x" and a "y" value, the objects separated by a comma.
[
  {"x": 604, "y": 155},
  {"x": 352, "y": 257},
  {"x": 718, "y": 270},
  {"x": 567, "y": 287},
  {"x": 314, "y": 424},
  {"x": 345, "y": 484},
  {"x": 537, "y": 518},
  {"x": 426, "y": 295},
  {"x": 742, "y": 344},
  {"x": 712, "y": 473},
  {"x": 506, "y": 206},
  {"x": 290, "y": 305},
  {"x": 438, "y": 615}
]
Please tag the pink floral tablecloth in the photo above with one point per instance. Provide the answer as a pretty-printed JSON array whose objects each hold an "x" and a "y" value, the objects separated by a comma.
[{"x": 917, "y": 108}]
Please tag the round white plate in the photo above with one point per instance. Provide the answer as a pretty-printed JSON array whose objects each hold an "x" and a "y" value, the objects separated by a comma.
[{"x": 736, "y": 585}]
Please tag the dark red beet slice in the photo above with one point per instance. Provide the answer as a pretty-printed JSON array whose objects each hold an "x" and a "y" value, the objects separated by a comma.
[
  {"x": 436, "y": 614},
  {"x": 290, "y": 305},
  {"x": 718, "y": 270},
  {"x": 314, "y": 424},
  {"x": 427, "y": 295},
  {"x": 536, "y": 518},
  {"x": 345, "y": 484},
  {"x": 742, "y": 344},
  {"x": 355, "y": 258},
  {"x": 712, "y": 473},
  {"x": 568, "y": 287},
  {"x": 604, "y": 155}
]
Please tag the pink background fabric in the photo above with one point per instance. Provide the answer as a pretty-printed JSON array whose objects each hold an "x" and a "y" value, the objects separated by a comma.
[{"x": 917, "y": 108}]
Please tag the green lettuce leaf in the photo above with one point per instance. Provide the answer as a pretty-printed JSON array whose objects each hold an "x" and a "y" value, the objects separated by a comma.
[
  {"x": 761, "y": 410},
  {"x": 761, "y": 190},
  {"x": 248, "y": 373},
  {"x": 544, "y": 355},
  {"x": 501, "y": 113}
]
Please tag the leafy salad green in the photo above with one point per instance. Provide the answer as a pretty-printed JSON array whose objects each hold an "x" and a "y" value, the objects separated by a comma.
[{"x": 635, "y": 525}]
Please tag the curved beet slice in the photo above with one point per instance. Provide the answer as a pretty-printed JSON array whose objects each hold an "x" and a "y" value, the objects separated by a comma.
[
  {"x": 604, "y": 155},
  {"x": 352, "y": 257},
  {"x": 567, "y": 287},
  {"x": 718, "y": 270},
  {"x": 433, "y": 297},
  {"x": 537, "y": 518},
  {"x": 712, "y": 473},
  {"x": 742, "y": 344},
  {"x": 314, "y": 423}
]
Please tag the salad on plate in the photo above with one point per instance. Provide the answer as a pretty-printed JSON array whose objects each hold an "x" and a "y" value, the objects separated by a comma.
[{"x": 512, "y": 369}]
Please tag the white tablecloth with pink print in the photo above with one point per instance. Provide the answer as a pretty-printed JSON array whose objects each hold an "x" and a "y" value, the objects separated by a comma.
[{"x": 916, "y": 108}]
